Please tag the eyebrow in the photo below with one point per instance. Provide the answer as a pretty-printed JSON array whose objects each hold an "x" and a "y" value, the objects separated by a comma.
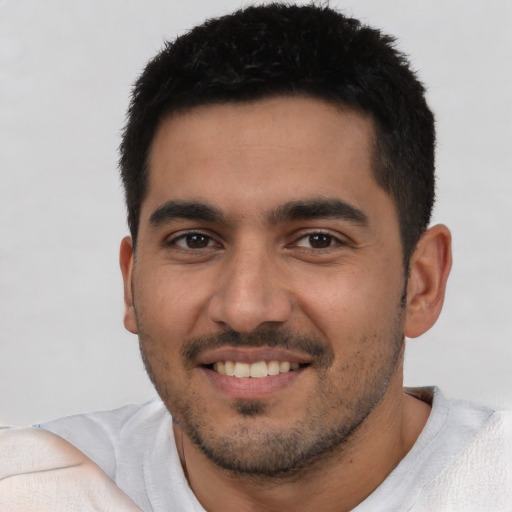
[
  {"x": 190, "y": 210},
  {"x": 318, "y": 208},
  {"x": 310, "y": 209}
]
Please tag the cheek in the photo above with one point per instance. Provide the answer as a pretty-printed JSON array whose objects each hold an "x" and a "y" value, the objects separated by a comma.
[
  {"x": 169, "y": 302},
  {"x": 351, "y": 302}
]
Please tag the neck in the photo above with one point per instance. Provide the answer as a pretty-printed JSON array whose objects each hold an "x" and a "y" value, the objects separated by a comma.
[{"x": 338, "y": 482}]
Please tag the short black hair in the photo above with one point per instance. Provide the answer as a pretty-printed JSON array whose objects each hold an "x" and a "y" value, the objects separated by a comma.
[{"x": 287, "y": 50}]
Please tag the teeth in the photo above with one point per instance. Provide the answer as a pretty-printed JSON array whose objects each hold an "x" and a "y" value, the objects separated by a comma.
[
  {"x": 242, "y": 369},
  {"x": 273, "y": 367},
  {"x": 259, "y": 370},
  {"x": 284, "y": 367},
  {"x": 254, "y": 370},
  {"x": 230, "y": 368}
]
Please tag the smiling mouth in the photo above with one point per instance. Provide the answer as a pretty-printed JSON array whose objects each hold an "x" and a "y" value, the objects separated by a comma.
[{"x": 255, "y": 370}]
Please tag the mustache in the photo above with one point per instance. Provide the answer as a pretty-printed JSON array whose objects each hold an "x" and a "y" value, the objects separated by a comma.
[{"x": 274, "y": 338}]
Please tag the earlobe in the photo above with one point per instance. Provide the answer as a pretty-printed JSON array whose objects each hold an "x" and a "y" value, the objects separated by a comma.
[
  {"x": 126, "y": 261},
  {"x": 429, "y": 270}
]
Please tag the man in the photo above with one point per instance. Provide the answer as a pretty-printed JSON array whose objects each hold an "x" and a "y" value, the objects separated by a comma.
[{"x": 278, "y": 165}]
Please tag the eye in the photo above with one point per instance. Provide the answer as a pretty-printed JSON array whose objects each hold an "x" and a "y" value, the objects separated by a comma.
[
  {"x": 317, "y": 241},
  {"x": 320, "y": 240},
  {"x": 193, "y": 240}
]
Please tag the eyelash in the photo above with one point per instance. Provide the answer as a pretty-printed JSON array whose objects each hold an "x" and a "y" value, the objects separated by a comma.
[
  {"x": 332, "y": 240},
  {"x": 183, "y": 236}
]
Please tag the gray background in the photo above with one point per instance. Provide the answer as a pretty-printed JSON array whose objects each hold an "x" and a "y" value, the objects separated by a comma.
[{"x": 66, "y": 69}]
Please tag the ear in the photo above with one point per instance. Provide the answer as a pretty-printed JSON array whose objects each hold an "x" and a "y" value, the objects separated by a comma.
[
  {"x": 428, "y": 273},
  {"x": 126, "y": 261}
]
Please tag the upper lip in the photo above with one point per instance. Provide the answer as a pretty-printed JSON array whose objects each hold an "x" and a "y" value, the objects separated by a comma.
[{"x": 251, "y": 355}]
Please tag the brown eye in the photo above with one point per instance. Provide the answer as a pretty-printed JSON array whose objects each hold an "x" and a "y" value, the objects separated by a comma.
[
  {"x": 197, "y": 241},
  {"x": 193, "y": 240},
  {"x": 320, "y": 241}
]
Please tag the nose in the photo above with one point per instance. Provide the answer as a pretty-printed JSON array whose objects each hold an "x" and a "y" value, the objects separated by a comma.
[{"x": 250, "y": 293}]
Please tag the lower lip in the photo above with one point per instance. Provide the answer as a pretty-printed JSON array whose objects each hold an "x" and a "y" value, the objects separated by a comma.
[{"x": 250, "y": 387}]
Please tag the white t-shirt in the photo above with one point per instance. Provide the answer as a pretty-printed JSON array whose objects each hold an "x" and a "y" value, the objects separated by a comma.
[{"x": 462, "y": 461}]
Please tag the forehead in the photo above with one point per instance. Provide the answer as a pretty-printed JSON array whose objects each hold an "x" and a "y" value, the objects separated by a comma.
[{"x": 263, "y": 153}]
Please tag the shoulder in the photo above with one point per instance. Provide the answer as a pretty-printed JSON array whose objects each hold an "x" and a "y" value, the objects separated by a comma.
[
  {"x": 128, "y": 450},
  {"x": 461, "y": 462},
  {"x": 99, "y": 434},
  {"x": 488, "y": 457},
  {"x": 479, "y": 476}
]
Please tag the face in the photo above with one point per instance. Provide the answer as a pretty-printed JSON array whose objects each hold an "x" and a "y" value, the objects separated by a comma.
[{"x": 267, "y": 284}]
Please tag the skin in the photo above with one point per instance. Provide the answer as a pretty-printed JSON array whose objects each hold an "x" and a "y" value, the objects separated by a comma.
[{"x": 331, "y": 285}]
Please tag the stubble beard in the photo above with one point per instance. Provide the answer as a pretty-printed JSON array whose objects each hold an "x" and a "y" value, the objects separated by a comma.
[{"x": 256, "y": 449}]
